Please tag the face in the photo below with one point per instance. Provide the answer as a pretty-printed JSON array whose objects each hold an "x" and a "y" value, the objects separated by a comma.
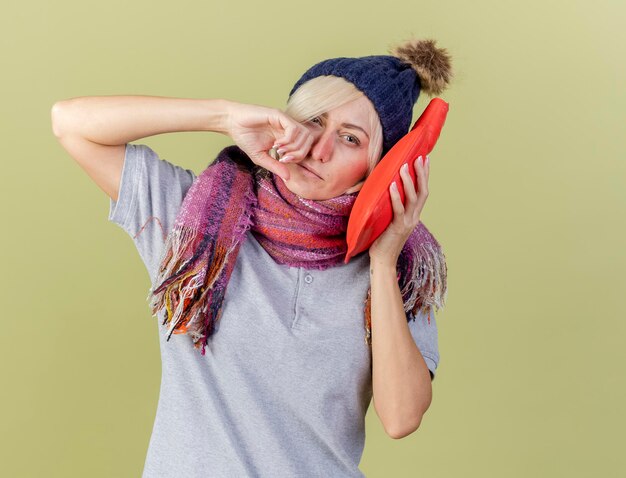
[{"x": 338, "y": 156}]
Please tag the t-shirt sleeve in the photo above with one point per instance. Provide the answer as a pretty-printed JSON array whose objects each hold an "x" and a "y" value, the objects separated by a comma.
[
  {"x": 424, "y": 332},
  {"x": 150, "y": 195}
]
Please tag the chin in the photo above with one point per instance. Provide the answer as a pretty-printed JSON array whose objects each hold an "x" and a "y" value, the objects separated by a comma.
[
  {"x": 314, "y": 193},
  {"x": 308, "y": 192}
]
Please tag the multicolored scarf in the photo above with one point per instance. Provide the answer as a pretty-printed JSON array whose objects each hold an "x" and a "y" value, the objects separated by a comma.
[{"x": 234, "y": 195}]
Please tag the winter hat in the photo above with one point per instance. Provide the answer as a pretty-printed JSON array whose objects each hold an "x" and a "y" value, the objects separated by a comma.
[{"x": 392, "y": 83}]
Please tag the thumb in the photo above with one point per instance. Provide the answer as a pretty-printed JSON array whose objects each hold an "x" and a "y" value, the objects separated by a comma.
[{"x": 263, "y": 159}]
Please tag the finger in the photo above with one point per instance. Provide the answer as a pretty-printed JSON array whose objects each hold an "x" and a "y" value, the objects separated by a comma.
[
  {"x": 283, "y": 128},
  {"x": 299, "y": 147},
  {"x": 303, "y": 151},
  {"x": 289, "y": 135},
  {"x": 288, "y": 145},
  {"x": 266, "y": 161},
  {"x": 422, "y": 192},
  {"x": 295, "y": 133},
  {"x": 409, "y": 186},
  {"x": 421, "y": 177},
  {"x": 396, "y": 201}
]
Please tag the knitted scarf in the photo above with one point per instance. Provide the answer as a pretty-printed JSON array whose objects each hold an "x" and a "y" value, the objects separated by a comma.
[{"x": 233, "y": 195}]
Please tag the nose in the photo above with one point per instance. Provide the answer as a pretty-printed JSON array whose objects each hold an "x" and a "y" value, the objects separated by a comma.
[{"x": 323, "y": 145}]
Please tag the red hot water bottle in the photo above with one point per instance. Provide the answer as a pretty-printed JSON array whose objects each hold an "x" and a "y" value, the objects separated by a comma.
[{"x": 372, "y": 211}]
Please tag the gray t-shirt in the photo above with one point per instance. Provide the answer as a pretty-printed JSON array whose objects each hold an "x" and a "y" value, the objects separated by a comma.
[{"x": 286, "y": 380}]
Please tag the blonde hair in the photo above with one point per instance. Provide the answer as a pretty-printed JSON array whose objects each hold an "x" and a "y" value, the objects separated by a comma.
[{"x": 323, "y": 93}]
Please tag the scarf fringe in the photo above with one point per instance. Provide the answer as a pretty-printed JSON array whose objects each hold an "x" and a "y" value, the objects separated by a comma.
[
  {"x": 426, "y": 288},
  {"x": 187, "y": 285}
]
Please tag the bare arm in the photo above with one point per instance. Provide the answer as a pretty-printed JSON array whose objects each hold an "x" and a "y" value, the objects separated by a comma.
[
  {"x": 117, "y": 120},
  {"x": 402, "y": 387},
  {"x": 94, "y": 130}
]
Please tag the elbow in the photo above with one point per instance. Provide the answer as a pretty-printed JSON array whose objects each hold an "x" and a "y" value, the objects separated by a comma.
[
  {"x": 55, "y": 118},
  {"x": 403, "y": 430},
  {"x": 59, "y": 117}
]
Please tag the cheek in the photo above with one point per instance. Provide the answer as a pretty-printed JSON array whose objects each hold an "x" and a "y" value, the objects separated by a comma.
[
  {"x": 354, "y": 173},
  {"x": 360, "y": 171}
]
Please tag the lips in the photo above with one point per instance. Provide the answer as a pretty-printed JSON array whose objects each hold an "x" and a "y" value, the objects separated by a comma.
[{"x": 309, "y": 169}]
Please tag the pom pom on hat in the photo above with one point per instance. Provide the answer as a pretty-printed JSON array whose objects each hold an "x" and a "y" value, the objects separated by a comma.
[{"x": 432, "y": 64}]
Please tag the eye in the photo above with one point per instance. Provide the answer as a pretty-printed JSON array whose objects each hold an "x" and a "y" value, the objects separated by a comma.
[
  {"x": 316, "y": 120},
  {"x": 354, "y": 138}
]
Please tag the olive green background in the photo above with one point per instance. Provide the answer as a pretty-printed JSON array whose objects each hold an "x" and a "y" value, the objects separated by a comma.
[{"x": 527, "y": 198}]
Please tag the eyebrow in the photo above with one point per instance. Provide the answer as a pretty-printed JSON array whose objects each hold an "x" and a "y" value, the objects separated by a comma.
[
  {"x": 350, "y": 125},
  {"x": 353, "y": 126}
]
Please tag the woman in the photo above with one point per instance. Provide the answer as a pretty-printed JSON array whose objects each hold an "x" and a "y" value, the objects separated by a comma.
[{"x": 246, "y": 264}]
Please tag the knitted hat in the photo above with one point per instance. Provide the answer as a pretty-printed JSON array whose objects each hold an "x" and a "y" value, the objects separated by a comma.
[{"x": 392, "y": 83}]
